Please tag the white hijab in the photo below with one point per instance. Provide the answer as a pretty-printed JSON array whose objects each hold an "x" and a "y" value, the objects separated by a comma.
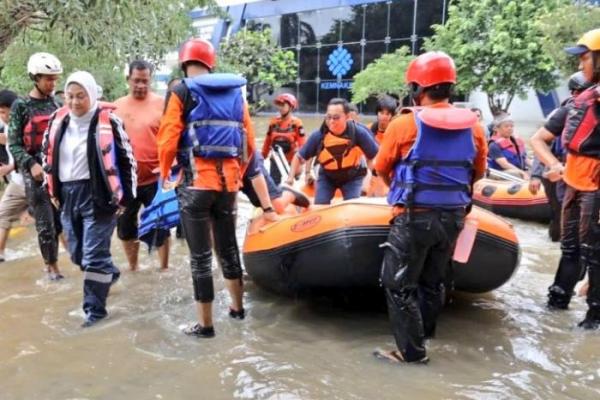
[{"x": 88, "y": 83}]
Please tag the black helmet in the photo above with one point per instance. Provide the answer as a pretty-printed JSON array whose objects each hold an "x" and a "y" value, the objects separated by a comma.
[
  {"x": 385, "y": 102},
  {"x": 578, "y": 83},
  {"x": 7, "y": 97}
]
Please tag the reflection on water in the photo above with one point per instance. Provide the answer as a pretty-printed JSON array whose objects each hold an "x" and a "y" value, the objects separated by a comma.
[{"x": 503, "y": 345}]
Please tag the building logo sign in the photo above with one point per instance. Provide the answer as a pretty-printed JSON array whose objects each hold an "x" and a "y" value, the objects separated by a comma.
[{"x": 339, "y": 64}]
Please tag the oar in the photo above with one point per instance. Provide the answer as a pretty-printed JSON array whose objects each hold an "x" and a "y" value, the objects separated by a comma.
[
  {"x": 283, "y": 159},
  {"x": 507, "y": 177},
  {"x": 280, "y": 165}
]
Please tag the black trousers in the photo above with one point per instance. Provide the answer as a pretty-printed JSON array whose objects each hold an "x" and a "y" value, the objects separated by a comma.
[
  {"x": 47, "y": 218},
  {"x": 416, "y": 260},
  {"x": 204, "y": 212},
  {"x": 580, "y": 246}
]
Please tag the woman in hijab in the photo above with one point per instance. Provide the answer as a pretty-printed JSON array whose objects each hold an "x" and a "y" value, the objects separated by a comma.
[{"x": 91, "y": 173}]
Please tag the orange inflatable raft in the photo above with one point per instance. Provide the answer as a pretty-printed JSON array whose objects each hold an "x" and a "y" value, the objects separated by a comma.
[
  {"x": 338, "y": 247},
  {"x": 511, "y": 199}
]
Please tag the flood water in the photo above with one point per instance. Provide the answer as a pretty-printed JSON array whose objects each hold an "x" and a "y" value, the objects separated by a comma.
[{"x": 502, "y": 345}]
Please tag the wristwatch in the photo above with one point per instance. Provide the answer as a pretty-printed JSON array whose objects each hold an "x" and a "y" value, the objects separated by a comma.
[{"x": 268, "y": 209}]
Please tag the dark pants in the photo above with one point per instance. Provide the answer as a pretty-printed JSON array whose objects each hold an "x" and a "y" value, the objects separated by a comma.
[
  {"x": 416, "y": 260},
  {"x": 127, "y": 223},
  {"x": 326, "y": 187},
  {"x": 203, "y": 211},
  {"x": 274, "y": 191},
  {"x": 580, "y": 246},
  {"x": 88, "y": 239},
  {"x": 47, "y": 220},
  {"x": 554, "y": 196},
  {"x": 275, "y": 174}
]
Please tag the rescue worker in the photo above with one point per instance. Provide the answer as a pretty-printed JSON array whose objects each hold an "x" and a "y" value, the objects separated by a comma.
[
  {"x": 285, "y": 131},
  {"x": 141, "y": 111},
  {"x": 91, "y": 173},
  {"x": 339, "y": 146},
  {"x": 507, "y": 152},
  {"x": 580, "y": 230},
  {"x": 13, "y": 204},
  {"x": 386, "y": 110},
  {"x": 430, "y": 156},
  {"x": 555, "y": 125},
  {"x": 207, "y": 126},
  {"x": 28, "y": 121}
]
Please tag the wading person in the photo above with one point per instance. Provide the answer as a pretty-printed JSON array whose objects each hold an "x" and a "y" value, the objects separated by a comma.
[
  {"x": 141, "y": 111},
  {"x": 339, "y": 147},
  {"x": 91, "y": 174},
  {"x": 14, "y": 202},
  {"x": 207, "y": 126},
  {"x": 580, "y": 230},
  {"x": 554, "y": 126},
  {"x": 28, "y": 121},
  {"x": 430, "y": 156}
]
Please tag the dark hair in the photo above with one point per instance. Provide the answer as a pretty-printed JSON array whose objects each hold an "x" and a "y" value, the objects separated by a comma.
[
  {"x": 441, "y": 91},
  {"x": 140, "y": 65},
  {"x": 339, "y": 101},
  {"x": 7, "y": 98},
  {"x": 596, "y": 66},
  {"x": 475, "y": 109},
  {"x": 352, "y": 107},
  {"x": 385, "y": 102}
]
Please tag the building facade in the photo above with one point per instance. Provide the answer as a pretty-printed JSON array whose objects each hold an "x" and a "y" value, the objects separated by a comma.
[{"x": 334, "y": 39}]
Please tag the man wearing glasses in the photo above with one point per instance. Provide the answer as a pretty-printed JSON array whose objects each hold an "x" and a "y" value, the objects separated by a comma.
[{"x": 340, "y": 146}]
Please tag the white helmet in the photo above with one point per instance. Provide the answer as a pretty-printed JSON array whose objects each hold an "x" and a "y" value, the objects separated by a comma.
[{"x": 43, "y": 64}]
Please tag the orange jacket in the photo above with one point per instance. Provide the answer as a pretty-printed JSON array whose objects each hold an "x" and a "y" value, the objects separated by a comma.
[
  {"x": 289, "y": 127},
  {"x": 172, "y": 126},
  {"x": 401, "y": 134}
]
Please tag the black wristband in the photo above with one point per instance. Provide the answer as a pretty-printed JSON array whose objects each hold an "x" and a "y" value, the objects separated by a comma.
[{"x": 268, "y": 209}]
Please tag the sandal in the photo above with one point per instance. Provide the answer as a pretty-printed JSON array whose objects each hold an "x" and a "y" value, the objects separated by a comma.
[{"x": 395, "y": 357}]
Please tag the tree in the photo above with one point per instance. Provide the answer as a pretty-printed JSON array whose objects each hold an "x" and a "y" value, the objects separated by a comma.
[
  {"x": 265, "y": 65},
  {"x": 98, "y": 35},
  {"x": 496, "y": 45},
  {"x": 384, "y": 75},
  {"x": 561, "y": 31}
]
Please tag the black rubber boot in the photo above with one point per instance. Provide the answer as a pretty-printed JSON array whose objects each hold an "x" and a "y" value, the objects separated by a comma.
[{"x": 558, "y": 299}]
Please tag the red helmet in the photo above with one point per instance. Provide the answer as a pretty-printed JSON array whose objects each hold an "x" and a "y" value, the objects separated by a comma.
[
  {"x": 200, "y": 50},
  {"x": 286, "y": 98},
  {"x": 431, "y": 68}
]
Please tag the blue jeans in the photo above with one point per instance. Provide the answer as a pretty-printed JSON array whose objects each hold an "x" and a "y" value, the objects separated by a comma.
[
  {"x": 325, "y": 189},
  {"x": 88, "y": 241}
]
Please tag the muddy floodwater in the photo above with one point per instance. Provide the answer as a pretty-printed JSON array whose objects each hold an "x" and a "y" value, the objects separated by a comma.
[{"x": 501, "y": 345}]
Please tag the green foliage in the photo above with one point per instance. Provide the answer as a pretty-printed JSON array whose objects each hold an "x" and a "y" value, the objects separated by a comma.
[
  {"x": 496, "y": 45},
  {"x": 384, "y": 75},
  {"x": 561, "y": 31},
  {"x": 260, "y": 60},
  {"x": 101, "y": 36}
]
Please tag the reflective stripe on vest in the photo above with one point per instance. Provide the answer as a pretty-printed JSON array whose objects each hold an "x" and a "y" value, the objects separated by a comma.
[
  {"x": 437, "y": 171},
  {"x": 105, "y": 149},
  {"x": 582, "y": 127}
]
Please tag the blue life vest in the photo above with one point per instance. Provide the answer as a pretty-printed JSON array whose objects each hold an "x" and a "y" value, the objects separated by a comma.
[
  {"x": 438, "y": 170},
  {"x": 160, "y": 215},
  {"x": 215, "y": 126},
  {"x": 513, "y": 150}
]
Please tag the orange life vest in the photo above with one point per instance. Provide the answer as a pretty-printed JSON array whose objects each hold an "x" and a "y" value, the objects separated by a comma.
[
  {"x": 284, "y": 137},
  {"x": 339, "y": 156}
]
